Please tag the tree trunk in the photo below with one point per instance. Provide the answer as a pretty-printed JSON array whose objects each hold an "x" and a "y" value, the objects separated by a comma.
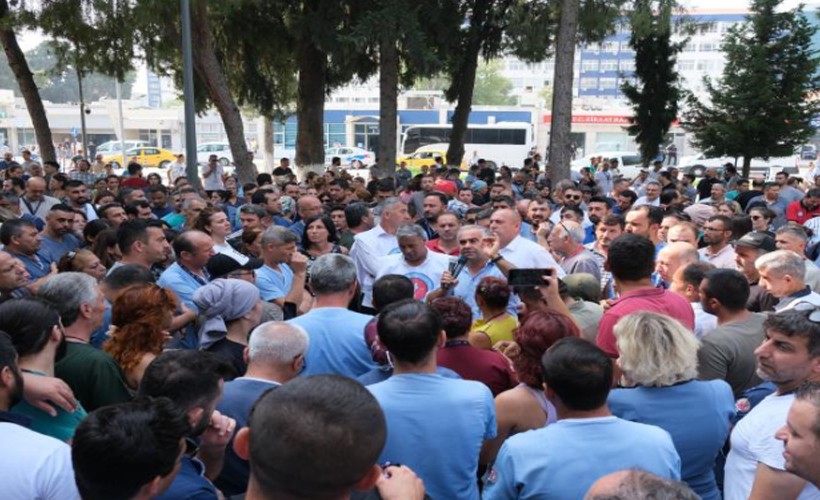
[
  {"x": 310, "y": 108},
  {"x": 747, "y": 163},
  {"x": 210, "y": 72},
  {"x": 466, "y": 86},
  {"x": 388, "y": 104},
  {"x": 561, "y": 127},
  {"x": 267, "y": 143},
  {"x": 25, "y": 80}
]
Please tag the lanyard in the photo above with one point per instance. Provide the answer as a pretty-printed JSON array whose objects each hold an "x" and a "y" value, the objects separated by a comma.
[
  {"x": 199, "y": 279},
  {"x": 32, "y": 210}
]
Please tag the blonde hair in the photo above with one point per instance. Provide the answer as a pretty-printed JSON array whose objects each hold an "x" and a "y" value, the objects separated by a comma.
[{"x": 656, "y": 350}]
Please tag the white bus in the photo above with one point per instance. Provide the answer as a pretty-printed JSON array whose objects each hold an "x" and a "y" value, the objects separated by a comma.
[{"x": 503, "y": 143}]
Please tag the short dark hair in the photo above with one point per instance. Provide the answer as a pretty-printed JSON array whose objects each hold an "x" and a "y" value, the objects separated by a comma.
[
  {"x": 795, "y": 323},
  {"x": 694, "y": 272},
  {"x": 727, "y": 286},
  {"x": 105, "y": 208},
  {"x": 131, "y": 208},
  {"x": 182, "y": 243},
  {"x": 574, "y": 209},
  {"x": 118, "y": 449},
  {"x": 264, "y": 178},
  {"x": 409, "y": 330},
  {"x": 158, "y": 188},
  {"x": 503, "y": 198},
  {"x": 632, "y": 195},
  {"x": 613, "y": 220},
  {"x": 725, "y": 221},
  {"x": 601, "y": 199},
  {"x": 441, "y": 197},
  {"x": 13, "y": 228},
  {"x": 340, "y": 183},
  {"x": 579, "y": 372},
  {"x": 189, "y": 378},
  {"x": 631, "y": 257},
  {"x": 287, "y": 464},
  {"x": 29, "y": 323},
  {"x": 130, "y": 232},
  {"x": 456, "y": 316},
  {"x": 126, "y": 275},
  {"x": 8, "y": 355},
  {"x": 668, "y": 196},
  {"x": 73, "y": 183},
  {"x": 355, "y": 212},
  {"x": 391, "y": 288},
  {"x": 134, "y": 168}
]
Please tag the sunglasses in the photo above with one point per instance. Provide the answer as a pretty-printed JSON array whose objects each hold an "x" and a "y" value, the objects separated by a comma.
[
  {"x": 814, "y": 317},
  {"x": 756, "y": 217},
  {"x": 572, "y": 197}
]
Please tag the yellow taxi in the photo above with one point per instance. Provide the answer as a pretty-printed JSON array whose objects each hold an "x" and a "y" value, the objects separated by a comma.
[
  {"x": 147, "y": 156},
  {"x": 426, "y": 155}
]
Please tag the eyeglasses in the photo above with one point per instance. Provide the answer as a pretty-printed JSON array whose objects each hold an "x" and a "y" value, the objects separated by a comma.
[
  {"x": 572, "y": 197},
  {"x": 814, "y": 317},
  {"x": 756, "y": 217}
]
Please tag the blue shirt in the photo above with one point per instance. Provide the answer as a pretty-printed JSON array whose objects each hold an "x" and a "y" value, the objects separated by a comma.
[
  {"x": 562, "y": 460},
  {"x": 237, "y": 401},
  {"x": 273, "y": 284},
  {"x": 436, "y": 426},
  {"x": 51, "y": 250},
  {"x": 60, "y": 427},
  {"x": 467, "y": 283},
  {"x": 190, "y": 483},
  {"x": 36, "y": 266},
  {"x": 383, "y": 373},
  {"x": 696, "y": 414},
  {"x": 182, "y": 282},
  {"x": 337, "y": 344}
]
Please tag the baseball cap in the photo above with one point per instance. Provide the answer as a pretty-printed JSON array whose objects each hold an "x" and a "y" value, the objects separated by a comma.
[
  {"x": 758, "y": 241},
  {"x": 221, "y": 265}
]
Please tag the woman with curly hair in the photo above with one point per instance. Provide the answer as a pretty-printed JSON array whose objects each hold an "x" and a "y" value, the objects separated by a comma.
[
  {"x": 492, "y": 295},
  {"x": 140, "y": 318},
  {"x": 525, "y": 407}
]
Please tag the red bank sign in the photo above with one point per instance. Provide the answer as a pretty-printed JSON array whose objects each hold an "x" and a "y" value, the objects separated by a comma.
[{"x": 595, "y": 119}]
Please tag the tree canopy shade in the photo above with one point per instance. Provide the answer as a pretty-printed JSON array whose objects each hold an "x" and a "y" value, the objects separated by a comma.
[
  {"x": 654, "y": 95},
  {"x": 764, "y": 102}
]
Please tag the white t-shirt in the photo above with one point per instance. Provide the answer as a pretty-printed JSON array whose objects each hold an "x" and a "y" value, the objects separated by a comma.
[
  {"x": 426, "y": 277},
  {"x": 177, "y": 171},
  {"x": 34, "y": 466},
  {"x": 525, "y": 254},
  {"x": 369, "y": 248},
  {"x": 214, "y": 181},
  {"x": 228, "y": 250},
  {"x": 753, "y": 442}
]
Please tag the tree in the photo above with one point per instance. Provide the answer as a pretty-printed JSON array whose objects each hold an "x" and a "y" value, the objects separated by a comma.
[
  {"x": 579, "y": 21},
  {"x": 25, "y": 80},
  {"x": 763, "y": 104},
  {"x": 491, "y": 87},
  {"x": 655, "y": 94}
]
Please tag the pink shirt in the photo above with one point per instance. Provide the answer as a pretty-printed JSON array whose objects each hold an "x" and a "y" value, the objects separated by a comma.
[{"x": 648, "y": 299}]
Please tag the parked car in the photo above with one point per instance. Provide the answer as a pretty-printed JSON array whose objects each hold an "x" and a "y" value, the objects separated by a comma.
[
  {"x": 697, "y": 165},
  {"x": 111, "y": 147},
  {"x": 426, "y": 155},
  {"x": 148, "y": 156},
  {"x": 629, "y": 162},
  {"x": 221, "y": 149},
  {"x": 349, "y": 154}
]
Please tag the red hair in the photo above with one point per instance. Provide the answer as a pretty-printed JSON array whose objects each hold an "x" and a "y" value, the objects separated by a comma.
[
  {"x": 138, "y": 314},
  {"x": 540, "y": 329}
]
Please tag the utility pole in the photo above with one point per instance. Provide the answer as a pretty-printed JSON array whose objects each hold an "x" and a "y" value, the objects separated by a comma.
[
  {"x": 191, "y": 169},
  {"x": 82, "y": 110}
]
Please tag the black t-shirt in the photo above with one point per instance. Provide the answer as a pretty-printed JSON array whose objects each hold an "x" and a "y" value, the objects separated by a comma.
[
  {"x": 232, "y": 352},
  {"x": 705, "y": 187},
  {"x": 279, "y": 171},
  {"x": 745, "y": 198}
]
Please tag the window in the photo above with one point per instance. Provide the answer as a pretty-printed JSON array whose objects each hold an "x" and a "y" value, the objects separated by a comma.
[
  {"x": 610, "y": 47},
  {"x": 686, "y": 65},
  {"x": 689, "y": 47},
  {"x": 607, "y": 83},
  {"x": 708, "y": 47},
  {"x": 626, "y": 66},
  {"x": 589, "y": 83},
  {"x": 593, "y": 47},
  {"x": 589, "y": 65},
  {"x": 708, "y": 28},
  {"x": 515, "y": 65},
  {"x": 609, "y": 65},
  {"x": 625, "y": 46}
]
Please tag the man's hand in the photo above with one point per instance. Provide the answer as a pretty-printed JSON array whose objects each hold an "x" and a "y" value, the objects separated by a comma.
[
  {"x": 218, "y": 433},
  {"x": 447, "y": 280},
  {"x": 298, "y": 263},
  {"x": 400, "y": 483},
  {"x": 491, "y": 245},
  {"x": 549, "y": 292},
  {"x": 46, "y": 392}
]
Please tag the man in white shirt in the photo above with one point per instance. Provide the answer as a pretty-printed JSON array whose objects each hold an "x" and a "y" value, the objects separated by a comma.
[
  {"x": 33, "y": 465},
  {"x": 686, "y": 282},
  {"x": 782, "y": 274},
  {"x": 801, "y": 436},
  {"x": 423, "y": 267},
  {"x": 788, "y": 357},
  {"x": 652, "y": 188},
  {"x": 716, "y": 234},
  {"x": 213, "y": 175},
  {"x": 505, "y": 225},
  {"x": 371, "y": 246}
]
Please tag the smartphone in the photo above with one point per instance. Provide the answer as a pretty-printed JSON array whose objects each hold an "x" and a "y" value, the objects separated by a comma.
[{"x": 528, "y": 277}]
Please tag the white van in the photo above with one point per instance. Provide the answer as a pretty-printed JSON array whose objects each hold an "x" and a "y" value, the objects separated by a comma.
[{"x": 114, "y": 147}]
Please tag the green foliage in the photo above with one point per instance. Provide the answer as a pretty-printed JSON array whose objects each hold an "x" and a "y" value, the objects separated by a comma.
[
  {"x": 763, "y": 104},
  {"x": 491, "y": 88},
  {"x": 655, "y": 94}
]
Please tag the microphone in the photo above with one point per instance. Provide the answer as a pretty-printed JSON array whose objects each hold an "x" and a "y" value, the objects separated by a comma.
[{"x": 458, "y": 266}]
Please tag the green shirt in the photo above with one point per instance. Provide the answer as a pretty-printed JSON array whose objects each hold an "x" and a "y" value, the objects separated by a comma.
[{"x": 93, "y": 375}]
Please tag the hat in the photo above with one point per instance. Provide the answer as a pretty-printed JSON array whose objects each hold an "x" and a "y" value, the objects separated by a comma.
[
  {"x": 700, "y": 212},
  {"x": 758, "y": 241},
  {"x": 478, "y": 185},
  {"x": 221, "y": 265},
  {"x": 221, "y": 301}
]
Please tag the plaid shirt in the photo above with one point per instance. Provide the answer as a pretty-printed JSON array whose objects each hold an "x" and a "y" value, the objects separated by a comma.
[
  {"x": 607, "y": 283},
  {"x": 87, "y": 178}
]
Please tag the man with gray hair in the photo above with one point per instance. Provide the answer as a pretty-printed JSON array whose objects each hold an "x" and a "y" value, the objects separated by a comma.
[
  {"x": 638, "y": 484},
  {"x": 782, "y": 274},
  {"x": 282, "y": 279},
  {"x": 422, "y": 266},
  {"x": 370, "y": 247},
  {"x": 567, "y": 240},
  {"x": 275, "y": 354},
  {"x": 92, "y": 374},
  {"x": 791, "y": 236},
  {"x": 337, "y": 344},
  {"x": 652, "y": 188}
]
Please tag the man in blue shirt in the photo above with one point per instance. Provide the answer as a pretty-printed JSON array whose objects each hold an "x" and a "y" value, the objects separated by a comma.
[
  {"x": 21, "y": 239},
  {"x": 282, "y": 279},
  {"x": 337, "y": 344},
  {"x": 275, "y": 355},
  {"x": 193, "y": 381},
  {"x": 564, "y": 459},
  {"x": 188, "y": 273},
  {"x": 57, "y": 238},
  {"x": 436, "y": 425}
]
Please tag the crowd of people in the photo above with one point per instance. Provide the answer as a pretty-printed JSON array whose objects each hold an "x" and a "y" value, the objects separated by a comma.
[{"x": 342, "y": 337}]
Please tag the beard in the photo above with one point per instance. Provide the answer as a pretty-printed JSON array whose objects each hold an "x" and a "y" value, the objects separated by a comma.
[{"x": 201, "y": 426}]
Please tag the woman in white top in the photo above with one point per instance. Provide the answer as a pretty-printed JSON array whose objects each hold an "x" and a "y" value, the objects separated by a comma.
[{"x": 215, "y": 222}]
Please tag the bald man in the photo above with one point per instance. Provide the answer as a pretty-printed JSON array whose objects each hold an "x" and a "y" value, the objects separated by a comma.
[
  {"x": 673, "y": 256},
  {"x": 306, "y": 206},
  {"x": 686, "y": 282},
  {"x": 638, "y": 485},
  {"x": 35, "y": 202},
  {"x": 684, "y": 231},
  {"x": 505, "y": 225}
]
